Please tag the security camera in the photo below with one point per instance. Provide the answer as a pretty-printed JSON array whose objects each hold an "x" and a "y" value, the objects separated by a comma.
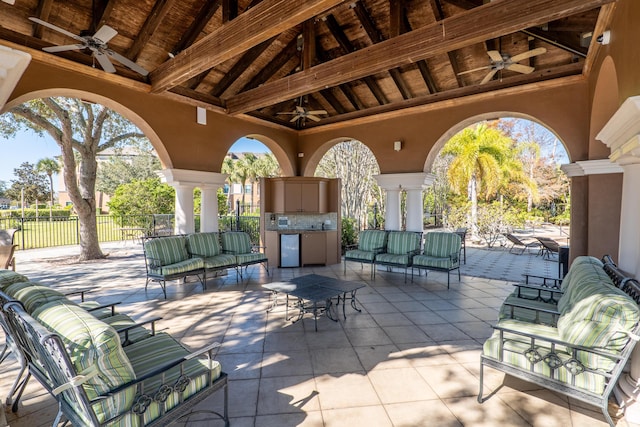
[{"x": 604, "y": 38}]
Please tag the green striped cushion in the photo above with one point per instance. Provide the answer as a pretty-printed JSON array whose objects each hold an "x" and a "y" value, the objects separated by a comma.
[
  {"x": 371, "y": 240},
  {"x": 33, "y": 295},
  {"x": 218, "y": 261},
  {"x": 600, "y": 320},
  {"x": 169, "y": 250},
  {"x": 527, "y": 314},
  {"x": 403, "y": 242},
  {"x": 358, "y": 255},
  {"x": 254, "y": 258},
  {"x": 236, "y": 242},
  {"x": 190, "y": 264},
  {"x": 204, "y": 244},
  {"x": 441, "y": 244},
  {"x": 432, "y": 261},
  {"x": 400, "y": 260},
  {"x": 515, "y": 353},
  {"x": 91, "y": 342},
  {"x": 119, "y": 321},
  {"x": 148, "y": 355},
  {"x": 9, "y": 277}
]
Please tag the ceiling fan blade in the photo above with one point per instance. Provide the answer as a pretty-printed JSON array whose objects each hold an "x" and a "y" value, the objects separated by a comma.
[
  {"x": 288, "y": 113},
  {"x": 53, "y": 49},
  {"x": 56, "y": 28},
  {"x": 528, "y": 54},
  {"x": 495, "y": 55},
  {"x": 317, "y": 112},
  {"x": 126, "y": 62},
  {"x": 524, "y": 69},
  {"x": 489, "y": 76},
  {"x": 300, "y": 110},
  {"x": 314, "y": 118},
  {"x": 475, "y": 69},
  {"x": 105, "y": 33},
  {"x": 295, "y": 118},
  {"x": 104, "y": 61}
]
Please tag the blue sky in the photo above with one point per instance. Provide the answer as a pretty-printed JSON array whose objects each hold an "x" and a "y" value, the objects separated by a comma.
[{"x": 28, "y": 146}]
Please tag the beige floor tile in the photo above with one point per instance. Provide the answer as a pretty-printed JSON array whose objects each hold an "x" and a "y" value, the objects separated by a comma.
[
  {"x": 450, "y": 380},
  {"x": 294, "y": 362},
  {"x": 400, "y": 385},
  {"x": 344, "y": 391},
  {"x": 283, "y": 395},
  {"x": 241, "y": 366},
  {"x": 390, "y": 319},
  {"x": 243, "y": 397},
  {"x": 369, "y": 416},
  {"x": 367, "y": 337},
  {"x": 406, "y": 334},
  {"x": 382, "y": 357},
  {"x": 423, "y": 413},
  {"x": 425, "y": 355},
  {"x": 301, "y": 419},
  {"x": 491, "y": 413},
  {"x": 538, "y": 408},
  {"x": 335, "y": 361}
]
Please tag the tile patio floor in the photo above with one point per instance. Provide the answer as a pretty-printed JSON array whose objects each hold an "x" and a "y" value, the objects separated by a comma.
[{"x": 411, "y": 358}]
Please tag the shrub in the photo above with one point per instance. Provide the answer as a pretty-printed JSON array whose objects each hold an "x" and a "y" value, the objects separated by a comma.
[{"x": 349, "y": 234}]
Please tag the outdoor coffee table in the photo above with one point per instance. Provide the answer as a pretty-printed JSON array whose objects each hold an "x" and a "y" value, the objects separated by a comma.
[{"x": 315, "y": 290}]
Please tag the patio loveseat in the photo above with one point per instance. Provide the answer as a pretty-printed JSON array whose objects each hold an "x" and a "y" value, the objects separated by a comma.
[
  {"x": 181, "y": 256},
  {"x": 96, "y": 378},
  {"x": 574, "y": 337}
]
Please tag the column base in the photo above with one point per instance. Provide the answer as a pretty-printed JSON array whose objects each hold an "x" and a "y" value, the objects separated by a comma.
[{"x": 627, "y": 392}]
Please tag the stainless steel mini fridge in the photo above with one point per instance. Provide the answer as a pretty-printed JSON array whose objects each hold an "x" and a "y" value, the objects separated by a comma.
[{"x": 289, "y": 250}]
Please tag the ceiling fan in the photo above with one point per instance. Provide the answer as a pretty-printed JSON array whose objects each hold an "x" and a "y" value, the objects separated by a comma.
[
  {"x": 501, "y": 62},
  {"x": 302, "y": 113},
  {"x": 97, "y": 44}
]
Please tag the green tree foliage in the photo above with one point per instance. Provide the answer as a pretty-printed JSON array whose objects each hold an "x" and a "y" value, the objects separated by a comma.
[
  {"x": 355, "y": 164},
  {"x": 244, "y": 168},
  {"x": 483, "y": 162},
  {"x": 76, "y": 126},
  {"x": 125, "y": 164},
  {"x": 143, "y": 197},
  {"x": 33, "y": 182},
  {"x": 49, "y": 167}
]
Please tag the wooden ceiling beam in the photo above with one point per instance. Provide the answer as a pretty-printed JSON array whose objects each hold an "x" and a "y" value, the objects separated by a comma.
[
  {"x": 201, "y": 20},
  {"x": 556, "y": 40},
  {"x": 438, "y": 13},
  {"x": 42, "y": 11},
  {"x": 498, "y": 18},
  {"x": 347, "y": 47},
  {"x": 240, "y": 67},
  {"x": 103, "y": 11},
  {"x": 263, "y": 21},
  {"x": 423, "y": 67},
  {"x": 229, "y": 10},
  {"x": 153, "y": 21},
  {"x": 465, "y": 4},
  {"x": 376, "y": 36},
  {"x": 309, "y": 55},
  {"x": 273, "y": 66},
  {"x": 328, "y": 95}
]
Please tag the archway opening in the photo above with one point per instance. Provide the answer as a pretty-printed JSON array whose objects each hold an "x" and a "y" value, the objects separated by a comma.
[{"x": 500, "y": 176}]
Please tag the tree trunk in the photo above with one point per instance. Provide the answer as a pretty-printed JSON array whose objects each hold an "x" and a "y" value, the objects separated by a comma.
[
  {"x": 473, "y": 196},
  {"x": 51, "y": 202}
]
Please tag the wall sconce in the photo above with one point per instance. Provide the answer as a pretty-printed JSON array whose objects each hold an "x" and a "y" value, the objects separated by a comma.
[
  {"x": 604, "y": 38},
  {"x": 397, "y": 145},
  {"x": 201, "y": 116},
  {"x": 300, "y": 154}
]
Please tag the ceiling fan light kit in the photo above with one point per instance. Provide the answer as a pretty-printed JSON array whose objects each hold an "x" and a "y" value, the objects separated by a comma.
[{"x": 501, "y": 62}]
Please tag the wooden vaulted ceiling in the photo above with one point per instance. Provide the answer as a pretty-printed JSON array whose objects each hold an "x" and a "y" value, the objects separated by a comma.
[{"x": 350, "y": 58}]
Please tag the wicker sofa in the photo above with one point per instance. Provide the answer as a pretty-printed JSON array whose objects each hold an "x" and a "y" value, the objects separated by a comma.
[
  {"x": 98, "y": 377},
  {"x": 573, "y": 337}
]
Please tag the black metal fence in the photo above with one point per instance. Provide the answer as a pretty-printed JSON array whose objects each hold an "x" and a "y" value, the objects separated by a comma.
[{"x": 45, "y": 232}]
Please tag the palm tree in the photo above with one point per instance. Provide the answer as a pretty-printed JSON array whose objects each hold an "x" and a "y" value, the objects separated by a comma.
[
  {"x": 477, "y": 167},
  {"x": 49, "y": 166}
]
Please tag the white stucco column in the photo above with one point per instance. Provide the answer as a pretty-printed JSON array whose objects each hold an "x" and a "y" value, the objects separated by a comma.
[
  {"x": 622, "y": 135},
  {"x": 394, "y": 184},
  {"x": 209, "y": 209},
  {"x": 185, "y": 181}
]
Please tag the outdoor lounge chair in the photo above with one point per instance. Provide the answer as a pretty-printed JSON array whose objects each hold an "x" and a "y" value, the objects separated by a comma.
[
  {"x": 238, "y": 244},
  {"x": 441, "y": 253},
  {"x": 520, "y": 244},
  {"x": 549, "y": 246},
  {"x": 370, "y": 244}
]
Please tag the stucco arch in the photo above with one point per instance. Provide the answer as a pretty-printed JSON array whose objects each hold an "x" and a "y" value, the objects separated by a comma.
[
  {"x": 286, "y": 167},
  {"x": 129, "y": 114},
  {"x": 318, "y": 154},
  {"x": 605, "y": 103},
  {"x": 435, "y": 150}
]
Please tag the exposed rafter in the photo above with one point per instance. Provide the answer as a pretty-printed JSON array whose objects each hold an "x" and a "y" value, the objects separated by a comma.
[
  {"x": 498, "y": 18},
  {"x": 159, "y": 11},
  {"x": 265, "y": 20},
  {"x": 42, "y": 11},
  {"x": 278, "y": 62},
  {"x": 201, "y": 20}
]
